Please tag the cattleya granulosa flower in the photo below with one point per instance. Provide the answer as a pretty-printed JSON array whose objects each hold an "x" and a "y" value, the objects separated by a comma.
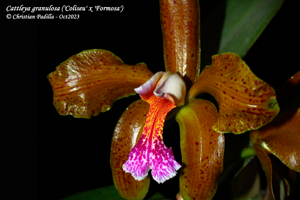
[
  {"x": 88, "y": 83},
  {"x": 281, "y": 138}
]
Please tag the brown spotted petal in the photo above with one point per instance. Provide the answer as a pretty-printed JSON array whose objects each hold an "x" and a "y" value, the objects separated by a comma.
[
  {"x": 281, "y": 137},
  {"x": 127, "y": 132},
  {"x": 245, "y": 101},
  {"x": 180, "y": 22},
  {"x": 88, "y": 83},
  {"x": 202, "y": 150}
]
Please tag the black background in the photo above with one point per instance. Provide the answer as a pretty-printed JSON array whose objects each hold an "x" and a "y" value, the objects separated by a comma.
[{"x": 73, "y": 154}]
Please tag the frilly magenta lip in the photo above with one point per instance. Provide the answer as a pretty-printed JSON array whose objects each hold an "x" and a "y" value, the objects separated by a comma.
[{"x": 163, "y": 91}]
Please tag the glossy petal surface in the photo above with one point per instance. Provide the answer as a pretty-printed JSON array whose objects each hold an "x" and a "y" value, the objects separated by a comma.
[
  {"x": 266, "y": 166},
  {"x": 276, "y": 172},
  {"x": 127, "y": 132},
  {"x": 88, "y": 83},
  {"x": 245, "y": 101},
  {"x": 202, "y": 150},
  {"x": 180, "y": 22},
  {"x": 284, "y": 179},
  {"x": 281, "y": 137},
  {"x": 150, "y": 151}
]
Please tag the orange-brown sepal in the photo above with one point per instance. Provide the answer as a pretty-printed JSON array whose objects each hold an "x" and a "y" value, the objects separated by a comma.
[
  {"x": 127, "y": 132},
  {"x": 88, "y": 83},
  {"x": 266, "y": 166},
  {"x": 180, "y": 22},
  {"x": 202, "y": 150},
  {"x": 275, "y": 138},
  {"x": 245, "y": 101},
  {"x": 276, "y": 173},
  {"x": 281, "y": 137}
]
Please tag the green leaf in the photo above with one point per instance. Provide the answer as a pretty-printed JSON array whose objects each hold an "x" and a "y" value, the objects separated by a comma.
[
  {"x": 244, "y": 22},
  {"x": 234, "y": 26},
  {"x": 108, "y": 192},
  {"x": 248, "y": 152},
  {"x": 249, "y": 189},
  {"x": 158, "y": 196}
]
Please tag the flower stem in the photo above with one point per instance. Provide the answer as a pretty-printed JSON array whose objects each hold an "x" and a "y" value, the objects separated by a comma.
[{"x": 248, "y": 152}]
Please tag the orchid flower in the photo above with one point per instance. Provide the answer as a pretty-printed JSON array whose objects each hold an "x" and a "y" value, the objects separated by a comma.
[
  {"x": 280, "y": 138},
  {"x": 88, "y": 83},
  {"x": 163, "y": 92}
]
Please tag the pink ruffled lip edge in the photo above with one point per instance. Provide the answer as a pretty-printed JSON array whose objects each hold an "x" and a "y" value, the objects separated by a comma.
[{"x": 160, "y": 160}]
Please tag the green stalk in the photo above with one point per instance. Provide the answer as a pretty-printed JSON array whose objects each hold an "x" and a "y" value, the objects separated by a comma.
[{"x": 248, "y": 152}]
